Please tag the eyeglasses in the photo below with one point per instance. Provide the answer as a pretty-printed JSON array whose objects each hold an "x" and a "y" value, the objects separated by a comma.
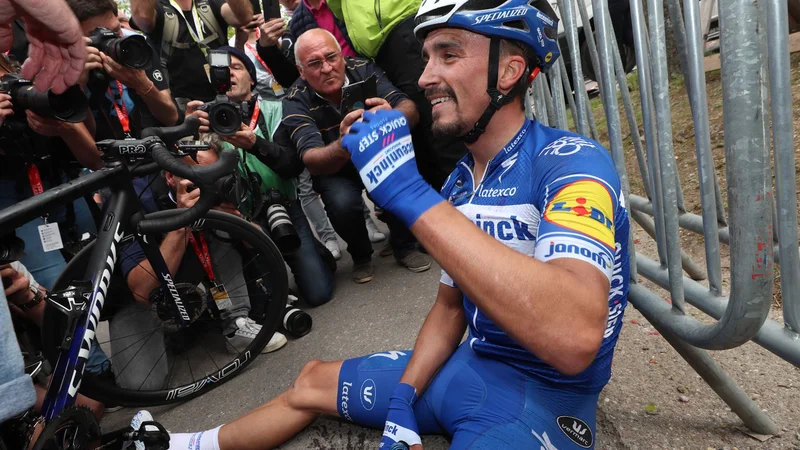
[{"x": 316, "y": 64}]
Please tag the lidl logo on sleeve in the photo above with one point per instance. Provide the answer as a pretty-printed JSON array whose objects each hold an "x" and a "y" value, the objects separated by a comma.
[{"x": 584, "y": 206}]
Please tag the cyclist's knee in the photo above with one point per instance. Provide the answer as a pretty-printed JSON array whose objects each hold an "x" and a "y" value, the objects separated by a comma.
[{"x": 315, "y": 387}]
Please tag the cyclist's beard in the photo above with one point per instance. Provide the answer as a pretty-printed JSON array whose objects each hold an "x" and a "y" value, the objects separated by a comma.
[{"x": 456, "y": 125}]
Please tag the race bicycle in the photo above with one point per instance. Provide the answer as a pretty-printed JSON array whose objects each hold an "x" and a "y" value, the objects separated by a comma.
[{"x": 75, "y": 306}]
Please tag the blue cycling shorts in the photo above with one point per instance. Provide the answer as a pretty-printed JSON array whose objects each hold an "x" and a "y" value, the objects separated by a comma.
[{"x": 480, "y": 402}]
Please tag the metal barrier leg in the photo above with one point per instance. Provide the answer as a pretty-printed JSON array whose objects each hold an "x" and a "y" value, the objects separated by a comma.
[
  {"x": 646, "y": 222},
  {"x": 715, "y": 377},
  {"x": 557, "y": 92},
  {"x": 568, "y": 94}
]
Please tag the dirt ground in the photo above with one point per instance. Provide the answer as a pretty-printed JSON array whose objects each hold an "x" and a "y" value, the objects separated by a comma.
[{"x": 655, "y": 400}]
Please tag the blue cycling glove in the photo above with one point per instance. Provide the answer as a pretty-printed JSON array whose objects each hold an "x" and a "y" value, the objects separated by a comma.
[
  {"x": 401, "y": 424},
  {"x": 381, "y": 149}
]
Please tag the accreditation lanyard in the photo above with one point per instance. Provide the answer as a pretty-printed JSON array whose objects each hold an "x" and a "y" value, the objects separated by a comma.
[
  {"x": 276, "y": 87},
  {"x": 254, "y": 119},
  {"x": 121, "y": 109},
  {"x": 201, "y": 250},
  {"x": 197, "y": 33},
  {"x": 35, "y": 180}
]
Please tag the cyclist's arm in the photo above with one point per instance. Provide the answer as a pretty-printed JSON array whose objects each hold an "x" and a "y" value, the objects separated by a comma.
[
  {"x": 142, "y": 279},
  {"x": 237, "y": 12},
  {"x": 438, "y": 339},
  {"x": 557, "y": 310},
  {"x": 144, "y": 14}
]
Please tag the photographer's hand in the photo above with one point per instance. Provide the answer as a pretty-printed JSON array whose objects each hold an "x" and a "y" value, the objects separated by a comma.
[
  {"x": 6, "y": 108},
  {"x": 93, "y": 61},
  {"x": 244, "y": 138},
  {"x": 191, "y": 110},
  {"x": 186, "y": 199},
  {"x": 132, "y": 78},
  {"x": 75, "y": 135},
  {"x": 228, "y": 207},
  {"x": 271, "y": 32}
]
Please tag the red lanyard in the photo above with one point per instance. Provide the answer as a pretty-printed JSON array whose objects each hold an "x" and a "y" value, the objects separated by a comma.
[
  {"x": 201, "y": 251},
  {"x": 258, "y": 57},
  {"x": 35, "y": 181},
  {"x": 122, "y": 111},
  {"x": 254, "y": 119}
]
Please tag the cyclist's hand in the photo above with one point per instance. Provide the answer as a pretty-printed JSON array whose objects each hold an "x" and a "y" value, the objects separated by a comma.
[
  {"x": 271, "y": 32},
  {"x": 16, "y": 285},
  {"x": 55, "y": 51},
  {"x": 381, "y": 149},
  {"x": 93, "y": 61},
  {"x": 401, "y": 424},
  {"x": 6, "y": 108},
  {"x": 191, "y": 110},
  {"x": 132, "y": 78},
  {"x": 244, "y": 138},
  {"x": 183, "y": 197},
  {"x": 228, "y": 207}
]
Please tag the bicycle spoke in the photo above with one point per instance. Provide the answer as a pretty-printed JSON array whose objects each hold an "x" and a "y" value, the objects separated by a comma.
[
  {"x": 169, "y": 374},
  {"x": 189, "y": 363},
  {"x": 114, "y": 338},
  {"x": 231, "y": 289},
  {"x": 134, "y": 355},
  {"x": 212, "y": 358},
  {"x": 154, "y": 368}
]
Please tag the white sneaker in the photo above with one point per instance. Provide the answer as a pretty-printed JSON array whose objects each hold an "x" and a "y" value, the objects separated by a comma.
[
  {"x": 136, "y": 422},
  {"x": 375, "y": 234},
  {"x": 277, "y": 341},
  {"x": 246, "y": 332},
  {"x": 333, "y": 246}
]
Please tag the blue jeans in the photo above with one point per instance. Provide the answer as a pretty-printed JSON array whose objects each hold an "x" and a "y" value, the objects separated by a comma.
[
  {"x": 343, "y": 200},
  {"x": 44, "y": 266},
  {"x": 314, "y": 278},
  {"x": 16, "y": 388}
]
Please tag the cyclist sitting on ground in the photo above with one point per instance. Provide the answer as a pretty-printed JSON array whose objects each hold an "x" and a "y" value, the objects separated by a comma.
[
  {"x": 259, "y": 144},
  {"x": 533, "y": 242}
]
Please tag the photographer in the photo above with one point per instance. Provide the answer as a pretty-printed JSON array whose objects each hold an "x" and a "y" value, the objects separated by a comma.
[
  {"x": 124, "y": 100},
  {"x": 265, "y": 148},
  {"x": 185, "y": 30}
]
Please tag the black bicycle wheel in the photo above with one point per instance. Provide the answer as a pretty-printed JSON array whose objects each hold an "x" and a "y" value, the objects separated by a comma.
[{"x": 245, "y": 261}]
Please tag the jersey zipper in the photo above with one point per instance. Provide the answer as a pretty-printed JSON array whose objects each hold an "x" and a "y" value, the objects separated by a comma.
[{"x": 483, "y": 178}]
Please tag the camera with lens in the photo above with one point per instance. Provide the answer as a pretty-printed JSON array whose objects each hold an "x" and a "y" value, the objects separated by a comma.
[
  {"x": 71, "y": 106},
  {"x": 295, "y": 321},
  {"x": 274, "y": 215},
  {"x": 131, "y": 51},
  {"x": 224, "y": 116}
]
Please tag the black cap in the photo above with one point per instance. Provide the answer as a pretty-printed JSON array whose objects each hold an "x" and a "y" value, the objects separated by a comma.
[{"x": 248, "y": 63}]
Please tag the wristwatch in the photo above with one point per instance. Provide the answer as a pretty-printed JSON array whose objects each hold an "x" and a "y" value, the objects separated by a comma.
[{"x": 38, "y": 296}]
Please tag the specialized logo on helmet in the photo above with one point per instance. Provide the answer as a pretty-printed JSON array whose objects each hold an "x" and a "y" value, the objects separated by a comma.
[
  {"x": 491, "y": 17},
  {"x": 548, "y": 57}
]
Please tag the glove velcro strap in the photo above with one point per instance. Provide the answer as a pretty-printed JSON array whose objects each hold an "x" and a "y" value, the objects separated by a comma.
[
  {"x": 399, "y": 433},
  {"x": 417, "y": 199}
]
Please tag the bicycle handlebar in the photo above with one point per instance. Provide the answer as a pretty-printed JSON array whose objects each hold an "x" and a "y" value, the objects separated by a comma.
[{"x": 158, "y": 141}]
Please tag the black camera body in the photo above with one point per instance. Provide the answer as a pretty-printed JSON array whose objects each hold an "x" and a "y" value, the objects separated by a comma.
[
  {"x": 224, "y": 116},
  {"x": 71, "y": 106},
  {"x": 131, "y": 51}
]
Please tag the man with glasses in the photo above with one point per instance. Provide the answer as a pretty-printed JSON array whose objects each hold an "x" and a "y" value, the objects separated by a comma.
[{"x": 312, "y": 112}]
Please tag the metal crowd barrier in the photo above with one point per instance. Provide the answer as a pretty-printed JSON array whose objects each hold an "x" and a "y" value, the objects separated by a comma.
[{"x": 757, "y": 98}]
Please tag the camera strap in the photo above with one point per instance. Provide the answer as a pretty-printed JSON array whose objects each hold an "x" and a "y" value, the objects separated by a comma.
[
  {"x": 218, "y": 292},
  {"x": 197, "y": 33},
  {"x": 122, "y": 111}
]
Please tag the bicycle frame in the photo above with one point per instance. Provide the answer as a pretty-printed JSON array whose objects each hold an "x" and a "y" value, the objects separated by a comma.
[{"x": 120, "y": 217}]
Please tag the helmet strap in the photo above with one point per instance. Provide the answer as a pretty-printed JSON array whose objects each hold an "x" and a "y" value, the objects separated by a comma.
[{"x": 496, "y": 98}]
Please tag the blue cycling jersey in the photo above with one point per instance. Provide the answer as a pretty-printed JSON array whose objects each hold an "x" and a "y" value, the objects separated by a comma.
[{"x": 549, "y": 194}]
